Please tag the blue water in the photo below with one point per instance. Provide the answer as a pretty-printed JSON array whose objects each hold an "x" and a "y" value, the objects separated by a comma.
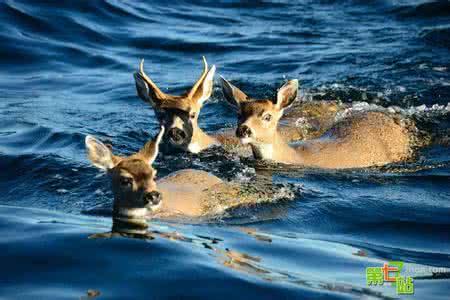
[{"x": 66, "y": 71}]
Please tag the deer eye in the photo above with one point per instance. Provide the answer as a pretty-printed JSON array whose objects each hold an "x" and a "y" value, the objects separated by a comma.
[
  {"x": 267, "y": 117},
  {"x": 192, "y": 115},
  {"x": 126, "y": 182}
]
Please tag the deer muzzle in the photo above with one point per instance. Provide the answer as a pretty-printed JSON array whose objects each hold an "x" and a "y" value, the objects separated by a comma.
[
  {"x": 177, "y": 136},
  {"x": 152, "y": 199},
  {"x": 243, "y": 131}
]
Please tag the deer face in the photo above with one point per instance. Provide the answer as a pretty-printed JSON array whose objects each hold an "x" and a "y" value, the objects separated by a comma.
[
  {"x": 179, "y": 114},
  {"x": 180, "y": 124},
  {"x": 133, "y": 178},
  {"x": 258, "y": 119}
]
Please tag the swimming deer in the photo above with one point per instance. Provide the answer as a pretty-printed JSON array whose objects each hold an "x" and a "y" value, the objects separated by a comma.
[
  {"x": 187, "y": 192},
  {"x": 368, "y": 139},
  {"x": 179, "y": 114}
]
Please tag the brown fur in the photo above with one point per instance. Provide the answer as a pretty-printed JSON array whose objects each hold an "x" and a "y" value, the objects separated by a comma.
[
  {"x": 180, "y": 111},
  {"x": 183, "y": 111},
  {"x": 368, "y": 139},
  {"x": 186, "y": 192},
  {"x": 317, "y": 117}
]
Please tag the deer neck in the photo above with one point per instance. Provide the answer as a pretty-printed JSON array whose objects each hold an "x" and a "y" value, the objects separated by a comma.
[
  {"x": 278, "y": 150},
  {"x": 200, "y": 140},
  {"x": 129, "y": 220}
]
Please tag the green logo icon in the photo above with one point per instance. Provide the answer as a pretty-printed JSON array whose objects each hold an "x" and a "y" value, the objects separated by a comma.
[{"x": 390, "y": 272}]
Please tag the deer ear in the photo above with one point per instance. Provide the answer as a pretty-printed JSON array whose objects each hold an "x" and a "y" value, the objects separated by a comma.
[
  {"x": 150, "y": 150},
  {"x": 287, "y": 94},
  {"x": 205, "y": 88},
  {"x": 146, "y": 89},
  {"x": 99, "y": 154},
  {"x": 142, "y": 89},
  {"x": 232, "y": 94}
]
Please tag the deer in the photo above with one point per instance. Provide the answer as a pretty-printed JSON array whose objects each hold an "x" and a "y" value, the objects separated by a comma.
[
  {"x": 179, "y": 114},
  {"x": 188, "y": 192},
  {"x": 359, "y": 141}
]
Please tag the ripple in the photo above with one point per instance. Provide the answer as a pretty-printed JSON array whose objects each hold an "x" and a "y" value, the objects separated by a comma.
[
  {"x": 427, "y": 10},
  {"x": 439, "y": 36},
  {"x": 66, "y": 71}
]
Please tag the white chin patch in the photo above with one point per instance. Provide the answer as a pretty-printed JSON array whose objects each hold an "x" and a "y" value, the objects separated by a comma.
[
  {"x": 133, "y": 212},
  {"x": 154, "y": 208},
  {"x": 246, "y": 140},
  {"x": 194, "y": 148}
]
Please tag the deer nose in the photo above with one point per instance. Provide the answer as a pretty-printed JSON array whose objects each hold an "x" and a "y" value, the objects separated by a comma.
[
  {"x": 177, "y": 136},
  {"x": 152, "y": 198},
  {"x": 243, "y": 131}
]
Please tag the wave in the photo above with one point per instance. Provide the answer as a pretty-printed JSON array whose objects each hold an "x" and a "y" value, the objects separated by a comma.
[
  {"x": 27, "y": 138},
  {"x": 427, "y": 10},
  {"x": 438, "y": 36},
  {"x": 66, "y": 71}
]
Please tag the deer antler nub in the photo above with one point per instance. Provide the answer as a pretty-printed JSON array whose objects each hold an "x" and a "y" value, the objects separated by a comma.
[
  {"x": 158, "y": 93},
  {"x": 200, "y": 80}
]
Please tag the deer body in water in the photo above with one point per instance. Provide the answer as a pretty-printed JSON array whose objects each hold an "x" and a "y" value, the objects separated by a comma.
[
  {"x": 187, "y": 192},
  {"x": 369, "y": 139}
]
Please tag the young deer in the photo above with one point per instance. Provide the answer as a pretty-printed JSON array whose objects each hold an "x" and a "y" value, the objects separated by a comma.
[
  {"x": 187, "y": 192},
  {"x": 370, "y": 139},
  {"x": 179, "y": 114}
]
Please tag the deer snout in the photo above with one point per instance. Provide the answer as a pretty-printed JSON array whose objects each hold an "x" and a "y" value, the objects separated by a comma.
[
  {"x": 177, "y": 136},
  {"x": 152, "y": 198},
  {"x": 243, "y": 131}
]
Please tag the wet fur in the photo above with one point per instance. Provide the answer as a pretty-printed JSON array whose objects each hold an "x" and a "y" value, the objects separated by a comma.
[
  {"x": 180, "y": 111},
  {"x": 191, "y": 193},
  {"x": 364, "y": 140},
  {"x": 369, "y": 139}
]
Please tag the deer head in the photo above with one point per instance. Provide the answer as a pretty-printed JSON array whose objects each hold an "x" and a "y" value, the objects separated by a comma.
[
  {"x": 258, "y": 119},
  {"x": 132, "y": 177},
  {"x": 179, "y": 114}
]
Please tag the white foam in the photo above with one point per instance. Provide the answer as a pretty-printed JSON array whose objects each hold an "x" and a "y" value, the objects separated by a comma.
[
  {"x": 419, "y": 110},
  {"x": 62, "y": 191}
]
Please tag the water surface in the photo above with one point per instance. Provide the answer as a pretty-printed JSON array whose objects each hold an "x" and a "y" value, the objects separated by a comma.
[{"x": 66, "y": 71}]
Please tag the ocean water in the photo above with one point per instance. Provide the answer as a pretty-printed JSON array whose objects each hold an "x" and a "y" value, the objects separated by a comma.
[{"x": 66, "y": 71}]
